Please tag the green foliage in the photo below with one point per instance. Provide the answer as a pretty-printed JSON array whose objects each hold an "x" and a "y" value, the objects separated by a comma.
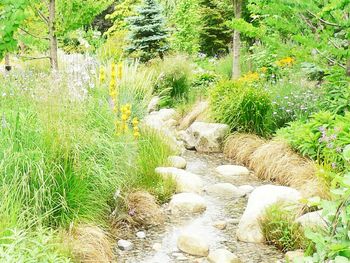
[
  {"x": 214, "y": 34},
  {"x": 323, "y": 138},
  {"x": 148, "y": 35},
  {"x": 153, "y": 152},
  {"x": 280, "y": 229},
  {"x": 174, "y": 80},
  {"x": 242, "y": 106},
  {"x": 186, "y": 36}
]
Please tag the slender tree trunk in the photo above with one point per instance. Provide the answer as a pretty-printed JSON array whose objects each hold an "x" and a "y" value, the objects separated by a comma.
[
  {"x": 348, "y": 68},
  {"x": 52, "y": 35},
  {"x": 236, "y": 42},
  {"x": 7, "y": 62}
]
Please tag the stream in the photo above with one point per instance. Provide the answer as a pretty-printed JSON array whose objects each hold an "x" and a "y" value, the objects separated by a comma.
[{"x": 202, "y": 224}]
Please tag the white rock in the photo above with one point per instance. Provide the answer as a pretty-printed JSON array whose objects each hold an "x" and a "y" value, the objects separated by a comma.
[
  {"x": 157, "y": 246},
  {"x": 141, "y": 234},
  {"x": 153, "y": 104},
  {"x": 193, "y": 245},
  {"x": 205, "y": 137},
  {"x": 186, "y": 182},
  {"x": 291, "y": 256},
  {"x": 224, "y": 190},
  {"x": 232, "y": 170},
  {"x": 221, "y": 225},
  {"x": 312, "y": 220},
  {"x": 261, "y": 198},
  {"x": 124, "y": 244},
  {"x": 177, "y": 162},
  {"x": 187, "y": 203},
  {"x": 246, "y": 189},
  {"x": 222, "y": 256}
]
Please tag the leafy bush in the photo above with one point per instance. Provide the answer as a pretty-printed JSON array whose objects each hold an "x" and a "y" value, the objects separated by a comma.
[
  {"x": 174, "y": 82},
  {"x": 280, "y": 229},
  {"x": 243, "y": 107},
  {"x": 323, "y": 138}
]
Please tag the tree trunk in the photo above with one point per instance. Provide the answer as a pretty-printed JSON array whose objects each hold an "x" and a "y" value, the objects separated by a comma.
[
  {"x": 52, "y": 35},
  {"x": 348, "y": 68},
  {"x": 7, "y": 62},
  {"x": 236, "y": 42}
]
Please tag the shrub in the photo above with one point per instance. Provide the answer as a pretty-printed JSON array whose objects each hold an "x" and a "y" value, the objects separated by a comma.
[
  {"x": 243, "y": 107},
  {"x": 173, "y": 85},
  {"x": 323, "y": 138},
  {"x": 280, "y": 229}
]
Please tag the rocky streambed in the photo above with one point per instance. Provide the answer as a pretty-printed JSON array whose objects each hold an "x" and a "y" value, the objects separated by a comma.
[{"x": 208, "y": 222}]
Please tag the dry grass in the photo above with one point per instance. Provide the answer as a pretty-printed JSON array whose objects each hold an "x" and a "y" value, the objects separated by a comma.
[
  {"x": 89, "y": 244},
  {"x": 144, "y": 210},
  {"x": 276, "y": 161},
  {"x": 240, "y": 147}
]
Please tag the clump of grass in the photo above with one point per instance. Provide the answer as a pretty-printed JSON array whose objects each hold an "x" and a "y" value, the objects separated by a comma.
[
  {"x": 276, "y": 161},
  {"x": 153, "y": 151},
  {"x": 89, "y": 243},
  {"x": 240, "y": 146},
  {"x": 280, "y": 229}
]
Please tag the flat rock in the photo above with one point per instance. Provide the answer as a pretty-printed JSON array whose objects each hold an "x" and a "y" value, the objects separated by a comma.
[
  {"x": 186, "y": 182},
  {"x": 312, "y": 220},
  {"x": 189, "y": 203},
  {"x": 205, "y": 137},
  {"x": 232, "y": 170},
  {"x": 261, "y": 198},
  {"x": 224, "y": 190},
  {"x": 193, "y": 245},
  {"x": 177, "y": 162},
  {"x": 246, "y": 189},
  {"x": 222, "y": 256},
  {"x": 125, "y": 244},
  {"x": 291, "y": 256}
]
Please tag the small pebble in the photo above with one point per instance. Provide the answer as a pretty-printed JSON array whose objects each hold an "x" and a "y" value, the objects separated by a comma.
[
  {"x": 124, "y": 244},
  {"x": 141, "y": 234},
  {"x": 157, "y": 246},
  {"x": 221, "y": 225}
]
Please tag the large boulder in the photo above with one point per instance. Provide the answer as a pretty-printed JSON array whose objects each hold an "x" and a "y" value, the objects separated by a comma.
[
  {"x": 312, "y": 220},
  {"x": 205, "y": 137},
  {"x": 261, "y": 198},
  {"x": 187, "y": 203},
  {"x": 164, "y": 122},
  {"x": 222, "y": 256},
  {"x": 193, "y": 244},
  {"x": 224, "y": 190},
  {"x": 186, "y": 182},
  {"x": 198, "y": 109}
]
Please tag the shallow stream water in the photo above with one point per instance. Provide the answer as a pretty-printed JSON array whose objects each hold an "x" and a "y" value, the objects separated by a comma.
[{"x": 202, "y": 224}]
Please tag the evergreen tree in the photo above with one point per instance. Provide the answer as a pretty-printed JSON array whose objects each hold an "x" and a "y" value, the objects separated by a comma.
[
  {"x": 148, "y": 34},
  {"x": 214, "y": 35}
]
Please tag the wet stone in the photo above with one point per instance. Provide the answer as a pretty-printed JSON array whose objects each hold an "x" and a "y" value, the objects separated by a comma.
[{"x": 124, "y": 245}]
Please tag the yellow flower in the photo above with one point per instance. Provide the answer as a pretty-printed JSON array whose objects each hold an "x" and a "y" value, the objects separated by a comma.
[
  {"x": 249, "y": 77},
  {"x": 124, "y": 117},
  {"x": 102, "y": 75},
  {"x": 135, "y": 121},
  {"x": 285, "y": 62},
  {"x": 136, "y": 134},
  {"x": 120, "y": 71}
]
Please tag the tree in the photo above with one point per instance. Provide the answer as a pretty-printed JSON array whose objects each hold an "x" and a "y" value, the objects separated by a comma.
[
  {"x": 236, "y": 42},
  {"x": 214, "y": 35},
  {"x": 148, "y": 35},
  {"x": 186, "y": 36}
]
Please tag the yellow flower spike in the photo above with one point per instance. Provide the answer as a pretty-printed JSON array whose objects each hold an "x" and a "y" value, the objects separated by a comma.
[
  {"x": 124, "y": 117},
  {"x": 136, "y": 135},
  {"x": 135, "y": 121},
  {"x": 120, "y": 70}
]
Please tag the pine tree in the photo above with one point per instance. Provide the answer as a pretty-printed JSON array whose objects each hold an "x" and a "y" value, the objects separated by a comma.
[
  {"x": 214, "y": 35},
  {"x": 148, "y": 34}
]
